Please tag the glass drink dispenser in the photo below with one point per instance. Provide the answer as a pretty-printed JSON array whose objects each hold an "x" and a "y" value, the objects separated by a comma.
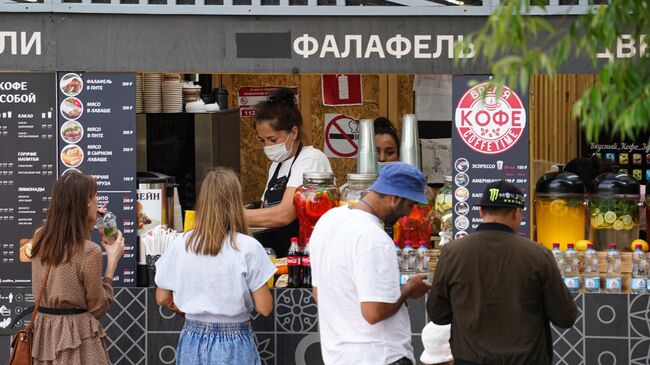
[
  {"x": 614, "y": 207},
  {"x": 312, "y": 199},
  {"x": 560, "y": 209}
]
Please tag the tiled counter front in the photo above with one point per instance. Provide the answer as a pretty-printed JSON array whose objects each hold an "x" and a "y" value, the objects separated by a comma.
[{"x": 611, "y": 329}]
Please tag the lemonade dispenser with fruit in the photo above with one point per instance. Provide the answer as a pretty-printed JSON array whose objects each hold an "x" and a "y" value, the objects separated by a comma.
[
  {"x": 358, "y": 185},
  {"x": 614, "y": 209},
  {"x": 560, "y": 209}
]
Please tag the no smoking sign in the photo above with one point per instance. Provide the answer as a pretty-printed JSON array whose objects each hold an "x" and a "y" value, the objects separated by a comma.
[{"x": 341, "y": 136}]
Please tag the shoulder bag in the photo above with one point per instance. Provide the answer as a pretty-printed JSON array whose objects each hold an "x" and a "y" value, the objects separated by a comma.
[{"x": 21, "y": 353}]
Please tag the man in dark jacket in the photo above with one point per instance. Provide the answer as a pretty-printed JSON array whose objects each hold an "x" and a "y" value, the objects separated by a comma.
[{"x": 499, "y": 290}]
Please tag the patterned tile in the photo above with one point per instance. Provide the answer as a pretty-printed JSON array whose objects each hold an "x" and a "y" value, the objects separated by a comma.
[
  {"x": 606, "y": 351},
  {"x": 640, "y": 316},
  {"x": 125, "y": 325},
  {"x": 161, "y": 348},
  {"x": 298, "y": 349},
  {"x": 296, "y": 311},
  {"x": 606, "y": 315},
  {"x": 266, "y": 348},
  {"x": 568, "y": 344},
  {"x": 264, "y": 324},
  {"x": 161, "y": 319},
  {"x": 640, "y": 352}
]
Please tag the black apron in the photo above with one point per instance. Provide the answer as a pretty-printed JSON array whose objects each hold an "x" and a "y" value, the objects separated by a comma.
[{"x": 278, "y": 238}]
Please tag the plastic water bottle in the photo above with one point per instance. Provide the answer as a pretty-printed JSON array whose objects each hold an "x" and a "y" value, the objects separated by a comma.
[
  {"x": 408, "y": 255},
  {"x": 400, "y": 261},
  {"x": 571, "y": 273},
  {"x": 613, "y": 279},
  {"x": 423, "y": 257},
  {"x": 559, "y": 257},
  {"x": 639, "y": 271},
  {"x": 592, "y": 274},
  {"x": 422, "y": 261},
  {"x": 408, "y": 258}
]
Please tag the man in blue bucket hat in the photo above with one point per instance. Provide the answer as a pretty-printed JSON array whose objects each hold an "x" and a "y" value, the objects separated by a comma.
[{"x": 355, "y": 274}]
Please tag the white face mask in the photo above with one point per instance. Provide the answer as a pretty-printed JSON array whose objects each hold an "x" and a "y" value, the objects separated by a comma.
[{"x": 278, "y": 152}]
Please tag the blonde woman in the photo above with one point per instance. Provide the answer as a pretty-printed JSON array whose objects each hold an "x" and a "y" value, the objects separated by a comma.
[{"x": 216, "y": 274}]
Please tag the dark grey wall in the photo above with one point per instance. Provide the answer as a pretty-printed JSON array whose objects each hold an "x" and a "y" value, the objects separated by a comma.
[{"x": 186, "y": 43}]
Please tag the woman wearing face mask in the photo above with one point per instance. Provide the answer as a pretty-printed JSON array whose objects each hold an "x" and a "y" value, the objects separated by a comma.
[
  {"x": 386, "y": 141},
  {"x": 278, "y": 125}
]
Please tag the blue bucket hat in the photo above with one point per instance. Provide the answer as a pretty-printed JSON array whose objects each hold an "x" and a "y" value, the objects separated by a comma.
[{"x": 403, "y": 180}]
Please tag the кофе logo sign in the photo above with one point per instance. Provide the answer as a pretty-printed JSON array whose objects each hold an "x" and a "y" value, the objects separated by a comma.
[{"x": 490, "y": 125}]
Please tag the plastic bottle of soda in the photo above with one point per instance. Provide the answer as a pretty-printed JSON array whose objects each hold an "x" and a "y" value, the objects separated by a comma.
[
  {"x": 571, "y": 273},
  {"x": 559, "y": 257},
  {"x": 613, "y": 279},
  {"x": 306, "y": 267},
  {"x": 293, "y": 264},
  {"x": 592, "y": 274},
  {"x": 639, "y": 270}
]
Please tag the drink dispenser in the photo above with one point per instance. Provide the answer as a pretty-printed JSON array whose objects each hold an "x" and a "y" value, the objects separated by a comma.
[
  {"x": 312, "y": 199},
  {"x": 614, "y": 206},
  {"x": 358, "y": 185},
  {"x": 560, "y": 209}
]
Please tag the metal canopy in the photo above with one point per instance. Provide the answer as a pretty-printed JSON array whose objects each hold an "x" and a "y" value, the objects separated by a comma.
[{"x": 290, "y": 7}]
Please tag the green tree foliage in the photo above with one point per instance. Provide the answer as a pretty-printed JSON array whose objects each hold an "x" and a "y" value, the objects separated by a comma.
[{"x": 519, "y": 45}]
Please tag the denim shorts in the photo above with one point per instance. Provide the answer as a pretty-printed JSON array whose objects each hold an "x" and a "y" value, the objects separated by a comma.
[{"x": 217, "y": 344}]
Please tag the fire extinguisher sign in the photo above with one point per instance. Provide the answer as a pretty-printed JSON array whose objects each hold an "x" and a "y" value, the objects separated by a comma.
[{"x": 489, "y": 143}]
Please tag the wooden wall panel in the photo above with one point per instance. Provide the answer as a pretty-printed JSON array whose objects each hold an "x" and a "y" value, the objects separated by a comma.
[
  {"x": 554, "y": 133},
  {"x": 254, "y": 165}
]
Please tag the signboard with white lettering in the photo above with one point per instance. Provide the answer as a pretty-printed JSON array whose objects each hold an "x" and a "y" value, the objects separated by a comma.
[
  {"x": 97, "y": 137},
  {"x": 27, "y": 167},
  {"x": 277, "y": 44},
  {"x": 489, "y": 143}
]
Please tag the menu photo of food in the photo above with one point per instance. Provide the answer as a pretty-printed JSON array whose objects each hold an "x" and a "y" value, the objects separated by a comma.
[
  {"x": 72, "y": 155},
  {"x": 144, "y": 223},
  {"x": 71, "y": 84},
  {"x": 71, "y": 108},
  {"x": 72, "y": 131},
  {"x": 25, "y": 250}
]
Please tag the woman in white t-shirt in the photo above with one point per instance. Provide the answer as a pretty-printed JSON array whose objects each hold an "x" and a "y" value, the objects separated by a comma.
[
  {"x": 278, "y": 124},
  {"x": 216, "y": 275}
]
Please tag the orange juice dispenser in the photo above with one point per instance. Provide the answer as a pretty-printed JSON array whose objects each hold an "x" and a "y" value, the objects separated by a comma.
[
  {"x": 560, "y": 209},
  {"x": 614, "y": 206}
]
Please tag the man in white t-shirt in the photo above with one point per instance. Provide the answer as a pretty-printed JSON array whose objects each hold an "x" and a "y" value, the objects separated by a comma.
[{"x": 355, "y": 274}]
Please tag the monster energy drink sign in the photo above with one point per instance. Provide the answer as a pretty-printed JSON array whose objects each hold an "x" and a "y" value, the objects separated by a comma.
[{"x": 489, "y": 143}]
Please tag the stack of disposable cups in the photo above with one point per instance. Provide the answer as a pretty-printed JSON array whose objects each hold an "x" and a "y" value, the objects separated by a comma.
[
  {"x": 367, "y": 157},
  {"x": 409, "y": 149}
]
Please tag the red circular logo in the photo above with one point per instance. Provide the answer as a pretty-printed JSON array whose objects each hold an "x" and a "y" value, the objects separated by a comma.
[{"x": 490, "y": 125}]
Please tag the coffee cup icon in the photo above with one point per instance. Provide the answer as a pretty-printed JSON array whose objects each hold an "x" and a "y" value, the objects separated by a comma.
[{"x": 499, "y": 165}]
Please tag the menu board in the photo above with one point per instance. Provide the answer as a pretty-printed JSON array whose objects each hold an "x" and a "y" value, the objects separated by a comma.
[
  {"x": 27, "y": 167},
  {"x": 97, "y": 137},
  {"x": 630, "y": 157},
  {"x": 489, "y": 143}
]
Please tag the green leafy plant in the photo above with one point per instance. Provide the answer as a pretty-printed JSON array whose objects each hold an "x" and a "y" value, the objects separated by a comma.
[{"x": 518, "y": 46}]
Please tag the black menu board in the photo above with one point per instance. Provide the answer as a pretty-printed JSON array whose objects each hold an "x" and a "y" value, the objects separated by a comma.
[
  {"x": 628, "y": 156},
  {"x": 97, "y": 137},
  {"x": 27, "y": 167},
  {"x": 489, "y": 143}
]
